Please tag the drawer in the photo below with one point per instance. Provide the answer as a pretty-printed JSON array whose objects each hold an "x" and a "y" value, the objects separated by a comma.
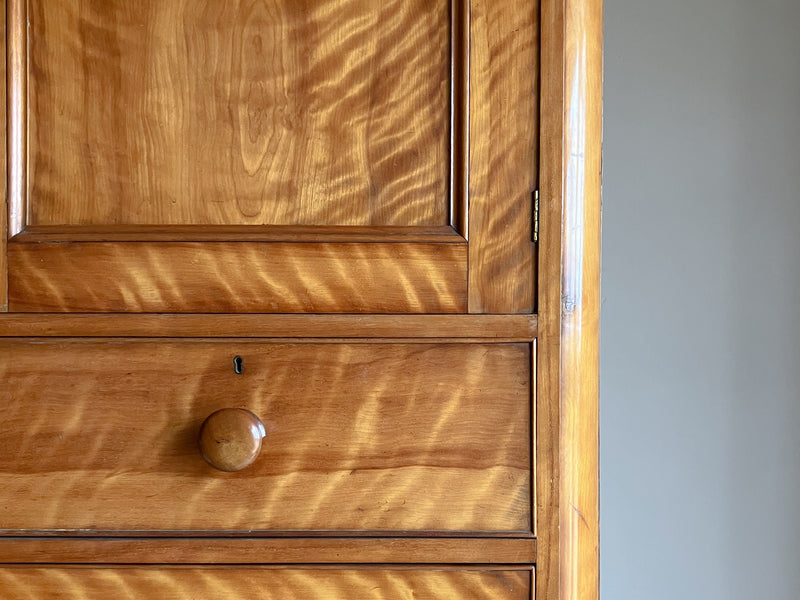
[
  {"x": 246, "y": 583},
  {"x": 421, "y": 436}
]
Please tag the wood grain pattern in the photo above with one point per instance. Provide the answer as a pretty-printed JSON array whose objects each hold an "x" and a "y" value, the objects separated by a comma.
[
  {"x": 579, "y": 518},
  {"x": 268, "y": 550},
  {"x": 230, "y": 438},
  {"x": 3, "y": 169},
  {"x": 17, "y": 98},
  {"x": 102, "y": 435},
  {"x": 567, "y": 374},
  {"x": 332, "y": 112},
  {"x": 508, "y": 327},
  {"x": 237, "y": 277},
  {"x": 443, "y": 234},
  {"x": 548, "y": 342},
  {"x": 502, "y": 154},
  {"x": 249, "y": 583},
  {"x": 459, "y": 479}
]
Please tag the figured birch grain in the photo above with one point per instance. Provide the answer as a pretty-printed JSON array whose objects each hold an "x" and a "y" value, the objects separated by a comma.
[
  {"x": 230, "y": 277},
  {"x": 249, "y": 583},
  {"x": 244, "y": 112},
  {"x": 567, "y": 347},
  {"x": 503, "y": 154},
  {"x": 102, "y": 435},
  {"x": 465, "y": 327},
  {"x": 267, "y": 550}
]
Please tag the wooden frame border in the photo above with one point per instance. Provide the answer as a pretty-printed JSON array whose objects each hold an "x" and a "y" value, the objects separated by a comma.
[
  {"x": 4, "y": 152},
  {"x": 16, "y": 114},
  {"x": 237, "y": 277},
  {"x": 486, "y": 327},
  {"x": 567, "y": 411},
  {"x": 503, "y": 133},
  {"x": 220, "y": 551}
]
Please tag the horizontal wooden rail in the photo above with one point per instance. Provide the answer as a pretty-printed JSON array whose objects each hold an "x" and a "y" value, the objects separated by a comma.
[
  {"x": 511, "y": 327},
  {"x": 267, "y": 550}
]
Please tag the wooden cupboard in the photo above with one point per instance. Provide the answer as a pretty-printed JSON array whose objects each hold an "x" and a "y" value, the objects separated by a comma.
[{"x": 366, "y": 234}]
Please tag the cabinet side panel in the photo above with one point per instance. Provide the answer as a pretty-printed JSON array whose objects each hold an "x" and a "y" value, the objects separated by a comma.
[{"x": 504, "y": 56}]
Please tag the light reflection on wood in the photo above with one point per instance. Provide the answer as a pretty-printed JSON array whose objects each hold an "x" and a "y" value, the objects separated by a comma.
[
  {"x": 276, "y": 550},
  {"x": 228, "y": 277},
  {"x": 503, "y": 154},
  {"x": 265, "y": 583},
  {"x": 333, "y": 112},
  {"x": 359, "y": 436}
]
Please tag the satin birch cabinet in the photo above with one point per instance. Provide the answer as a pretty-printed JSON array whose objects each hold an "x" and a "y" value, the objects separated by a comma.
[{"x": 299, "y": 299}]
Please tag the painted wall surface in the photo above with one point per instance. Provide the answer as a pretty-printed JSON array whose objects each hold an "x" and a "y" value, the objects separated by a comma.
[{"x": 700, "y": 342}]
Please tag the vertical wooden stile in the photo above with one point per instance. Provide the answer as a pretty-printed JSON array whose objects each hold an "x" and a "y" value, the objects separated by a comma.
[
  {"x": 503, "y": 131},
  {"x": 17, "y": 65},
  {"x": 4, "y": 206},
  {"x": 569, "y": 306}
]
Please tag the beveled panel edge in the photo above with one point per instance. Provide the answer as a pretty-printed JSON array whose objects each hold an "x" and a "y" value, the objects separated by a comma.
[
  {"x": 506, "y": 327},
  {"x": 267, "y": 551},
  {"x": 241, "y": 233},
  {"x": 459, "y": 116},
  {"x": 569, "y": 301},
  {"x": 16, "y": 55}
]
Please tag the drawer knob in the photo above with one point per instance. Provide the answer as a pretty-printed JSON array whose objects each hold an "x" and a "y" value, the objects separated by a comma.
[{"x": 230, "y": 439}]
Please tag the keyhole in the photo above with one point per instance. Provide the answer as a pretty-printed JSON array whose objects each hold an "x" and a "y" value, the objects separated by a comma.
[{"x": 238, "y": 365}]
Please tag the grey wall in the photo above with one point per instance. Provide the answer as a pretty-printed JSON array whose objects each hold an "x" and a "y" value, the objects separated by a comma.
[{"x": 700, "y": 342}]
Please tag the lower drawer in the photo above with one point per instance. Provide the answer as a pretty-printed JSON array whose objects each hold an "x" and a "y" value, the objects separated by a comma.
[
  {"x": 101, "y": 435},
  {"x": 280, "y": 584}
]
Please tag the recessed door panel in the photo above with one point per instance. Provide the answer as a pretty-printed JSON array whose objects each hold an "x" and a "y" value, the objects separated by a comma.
[{"x": 236, "y": 112}]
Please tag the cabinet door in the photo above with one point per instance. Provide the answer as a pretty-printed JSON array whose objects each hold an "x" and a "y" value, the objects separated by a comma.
[{"x": 270, "y": 156}]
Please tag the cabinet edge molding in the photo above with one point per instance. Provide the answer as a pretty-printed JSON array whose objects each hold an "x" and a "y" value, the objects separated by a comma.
[{"x": 569, "y": 309}]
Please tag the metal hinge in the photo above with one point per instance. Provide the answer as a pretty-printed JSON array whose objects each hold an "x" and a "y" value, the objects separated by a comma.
[{"x": 536, "y": 215}]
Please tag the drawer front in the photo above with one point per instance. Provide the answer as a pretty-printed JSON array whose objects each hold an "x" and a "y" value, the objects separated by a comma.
[
  {"x": 101, "y": 435},
  {"x": 247, "y": 583}
]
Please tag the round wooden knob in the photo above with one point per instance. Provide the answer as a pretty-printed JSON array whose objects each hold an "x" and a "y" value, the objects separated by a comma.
[{"x": 230, "y": 439}]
